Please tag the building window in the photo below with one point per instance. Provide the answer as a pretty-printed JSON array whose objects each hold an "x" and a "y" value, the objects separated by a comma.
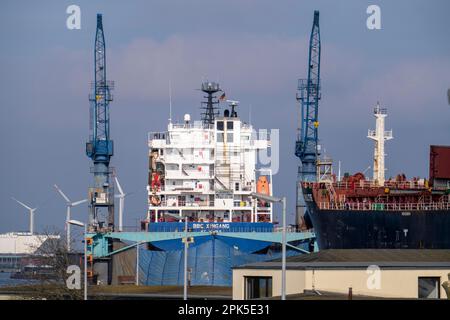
[
  {"x": 229, "y": 125},
  {"x": 429, "y": 287},
  {"x": 219, "y": 125},
  {"x": 220, "y": 137},
  {"x": 230, "y": 137},
  {"x": 258, "y": 287}
]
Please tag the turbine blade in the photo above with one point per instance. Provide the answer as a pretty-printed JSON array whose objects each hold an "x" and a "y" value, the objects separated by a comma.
[
  {"x": 21, "y": 203},
  {"x": 78, "y": 202},
  {"x": 118, "y": 185},
  {"x": 62, "y": 193}
]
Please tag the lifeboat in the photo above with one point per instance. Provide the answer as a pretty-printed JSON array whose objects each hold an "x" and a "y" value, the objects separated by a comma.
[{"x": 262, "y": 186}]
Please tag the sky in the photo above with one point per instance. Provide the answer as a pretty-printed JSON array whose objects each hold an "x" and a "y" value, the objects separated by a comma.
[{"x": 256, "y": 50}]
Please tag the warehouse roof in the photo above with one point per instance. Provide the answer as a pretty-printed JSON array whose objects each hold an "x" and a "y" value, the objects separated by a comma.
[{"x": 362, "y": 258}]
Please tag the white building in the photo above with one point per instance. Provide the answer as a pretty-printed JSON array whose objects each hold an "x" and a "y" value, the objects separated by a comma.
[
  {"x": 22, "y": 242},
  {"x": 378, "y": 273},
  {"x": 14, "y": 246}
]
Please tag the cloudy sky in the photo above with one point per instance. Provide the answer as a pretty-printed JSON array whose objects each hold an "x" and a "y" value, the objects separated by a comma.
[{"x": 256, "y": 50}]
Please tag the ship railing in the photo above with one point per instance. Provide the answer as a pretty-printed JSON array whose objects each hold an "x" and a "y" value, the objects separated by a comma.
[
  {"x": 370, "y": 184},
  {"x": 251, "y": 227},
  {"x": 236, "y": 204},
  {"x": 361, "y": 206},
  {"x": 289, "y": 228},
  {"x": 371, "y": 133},
  {"x": 378, "y": 110},
  {"x": 165, "y": 203},
  {"x": 170, "y": 188}
]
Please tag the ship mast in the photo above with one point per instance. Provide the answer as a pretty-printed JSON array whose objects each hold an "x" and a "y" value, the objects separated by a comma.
[
  {"x": 379, "y": 135},
  {"x": 210, "y": 109}
]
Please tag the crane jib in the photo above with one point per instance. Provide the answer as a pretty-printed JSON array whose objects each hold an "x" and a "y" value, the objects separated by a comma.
[
  {"x": 100, "y": 147},
  {"x": 309, "y": 95}
]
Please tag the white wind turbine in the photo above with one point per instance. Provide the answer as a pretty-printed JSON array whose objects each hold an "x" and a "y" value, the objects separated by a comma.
[
  {"x": 69, "y": 204},
  {"x": 121, "y": 197},
  {"x": 32, "y": 210}
]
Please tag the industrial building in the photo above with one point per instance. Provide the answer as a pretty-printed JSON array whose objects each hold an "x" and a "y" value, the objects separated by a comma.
[
  {"x": 16, "y": 247},
  {"x": 382, "y": 273}
]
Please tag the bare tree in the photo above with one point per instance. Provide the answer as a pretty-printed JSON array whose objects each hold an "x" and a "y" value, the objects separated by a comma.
[{"x": 51, "y": 254}]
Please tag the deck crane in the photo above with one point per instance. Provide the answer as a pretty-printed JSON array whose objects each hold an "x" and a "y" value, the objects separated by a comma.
[
  {"x": 306, "y": 146},
  {"x": 100, "y": 147}
]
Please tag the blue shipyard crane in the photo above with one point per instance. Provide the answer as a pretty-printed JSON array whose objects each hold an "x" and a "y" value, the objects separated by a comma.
[
  {"x": 307, "y": 140},
  {"x": 306, "y": 145},
  {"x": 100, "y": 147}
]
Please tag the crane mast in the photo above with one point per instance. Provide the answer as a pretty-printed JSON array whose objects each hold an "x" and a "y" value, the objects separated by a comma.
[
  {"x": 306, "y": 145},
  {"x": 309, "y": 89},
  {"x": 99, "y": 147}
]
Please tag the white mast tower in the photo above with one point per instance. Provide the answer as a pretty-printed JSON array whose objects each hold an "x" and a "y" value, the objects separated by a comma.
[{"x": 379, "y": 135}]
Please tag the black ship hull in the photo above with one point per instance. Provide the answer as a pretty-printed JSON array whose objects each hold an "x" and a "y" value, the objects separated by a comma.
[{"x": 361, "y": 229}]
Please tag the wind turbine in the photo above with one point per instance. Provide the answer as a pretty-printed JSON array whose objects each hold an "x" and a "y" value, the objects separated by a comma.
[
  {"x": 32, "y": 210},
  {"x": 69, "y": 204},
  {"x": 121, "y": 197}
]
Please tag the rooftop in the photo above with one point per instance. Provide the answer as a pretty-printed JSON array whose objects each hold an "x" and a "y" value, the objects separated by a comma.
[{"x": 361, "y": 258}]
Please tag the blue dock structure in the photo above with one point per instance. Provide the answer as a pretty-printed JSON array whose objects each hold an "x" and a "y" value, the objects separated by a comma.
[{"x": 211, "y": 255}]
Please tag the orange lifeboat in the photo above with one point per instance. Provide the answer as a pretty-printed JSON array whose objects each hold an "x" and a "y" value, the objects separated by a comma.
[{"x": 262, "y": 186}]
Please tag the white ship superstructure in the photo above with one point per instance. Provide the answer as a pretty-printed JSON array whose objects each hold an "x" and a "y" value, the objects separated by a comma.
[{"x": 207, "y": 171}]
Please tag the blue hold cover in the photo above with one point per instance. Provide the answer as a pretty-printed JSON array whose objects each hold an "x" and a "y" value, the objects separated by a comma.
[{"x": 210, "y": 260}]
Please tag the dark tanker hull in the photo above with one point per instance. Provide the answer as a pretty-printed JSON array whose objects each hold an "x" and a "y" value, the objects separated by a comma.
[{"x": 360, "y": 229}]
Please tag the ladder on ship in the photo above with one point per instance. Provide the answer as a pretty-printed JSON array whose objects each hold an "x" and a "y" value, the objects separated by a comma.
[
  {"x": 227, "y": 173},
  {"x": 331, "y": 192}
]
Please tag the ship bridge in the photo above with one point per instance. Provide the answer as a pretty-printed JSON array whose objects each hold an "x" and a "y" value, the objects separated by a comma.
[{"x": 207, "y": 171}]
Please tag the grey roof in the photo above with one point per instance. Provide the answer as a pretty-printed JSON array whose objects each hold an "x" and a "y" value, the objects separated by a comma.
[{"x": 362, "y": 258}]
